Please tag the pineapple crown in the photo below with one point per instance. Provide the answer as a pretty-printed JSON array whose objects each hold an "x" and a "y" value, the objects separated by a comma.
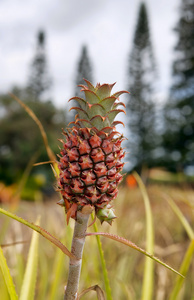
[{"x": 99, "y": 108}]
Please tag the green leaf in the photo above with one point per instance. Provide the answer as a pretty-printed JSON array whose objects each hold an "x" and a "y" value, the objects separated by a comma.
[
  {"x": 82, "y": 113},
  {"x": 148, "y": 278},
  {"x": 90, "y": 86},
  {"x": 104, "y": 90},
  {"x": 103, "y": 263},
  {"x": 85, "y": 123},
  {"x": 3, "y": 288},
  {"x": 99, "y": 122},
  {"x": 29, "y": 281},
  {"x": 108, "y": 102},
  {"x": 7, "y": 277},
  {"x": 95, "y": 109},
  {"x": 80, "y": 101},
  {"x": 181, "y": 217},
  {"x": 91, "y": 97},
  {"x": 183, "y": 270},
  {"x": 40, "y": 230},
  {"x": 188, "y": 256},
  {"x": 117, "y": 94},
  {"x": 113, "y": 113},
  {"x": 132, "y": 245},
  {"x": 119, "y": 104},
  {"x": 57, "y": 272}
]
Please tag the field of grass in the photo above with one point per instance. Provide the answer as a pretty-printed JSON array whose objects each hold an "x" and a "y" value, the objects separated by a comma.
[{"x": 125, "y": 266}]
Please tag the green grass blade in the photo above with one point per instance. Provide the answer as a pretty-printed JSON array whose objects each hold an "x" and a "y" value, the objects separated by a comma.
[
  {"x": 4, "y": 228},
  {"x": 57, "y": 275},
  {"x": 40, "y": 230},
  {"x": 20, "y": 267},
  {"x": 3, "y": 288},
  {"x": 181, "y": 217},
  {"x": 103, "y": 263},
  {"x": 44, "y": 270},
  {"x": 7, "y": 277},
  {"x": 29, "y": 281},
  {"x": 148, "y": 278},
  {"x": 183, "y": 270}
]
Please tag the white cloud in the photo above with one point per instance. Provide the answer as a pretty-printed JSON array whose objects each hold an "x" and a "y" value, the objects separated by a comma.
[{"x": 106, "y": 26}]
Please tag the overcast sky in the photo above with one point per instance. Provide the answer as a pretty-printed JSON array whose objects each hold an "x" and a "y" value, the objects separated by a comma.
[{"x": 105, "y": 26}]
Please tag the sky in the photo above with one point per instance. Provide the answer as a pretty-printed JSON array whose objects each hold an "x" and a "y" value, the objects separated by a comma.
[{"x": 105, "y": 26}]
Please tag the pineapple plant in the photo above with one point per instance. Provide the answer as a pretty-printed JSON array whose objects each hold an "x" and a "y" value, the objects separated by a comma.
[{"x": 91, "y": 155}]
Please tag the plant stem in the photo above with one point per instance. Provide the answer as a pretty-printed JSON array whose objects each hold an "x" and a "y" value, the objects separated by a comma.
[{"x": 78, "y": 242}]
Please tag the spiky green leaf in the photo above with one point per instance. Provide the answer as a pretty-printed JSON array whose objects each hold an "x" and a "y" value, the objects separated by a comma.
[
  {"x": 118, "y": 104},
  {"x": 90, "y": 86},
  {"x": 91, "y": 97},
  {"x": 80, "y": 101},
  {"x": 118, "y": 94},
  {"x": 82, "y": 113},
  {"x": 84, "y": 123},
  {"x": 113, "y": 113},
  {"x": 104, "y": 90},
  {"x": 99, "y": 122},
  {"x": 95, "y": 109},
  {"x": 108, "y": 103},
  {"x": 115, "y": 123}
]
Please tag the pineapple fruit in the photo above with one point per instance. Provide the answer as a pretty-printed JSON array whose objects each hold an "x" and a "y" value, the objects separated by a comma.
[{"x": 91, "y": 156}]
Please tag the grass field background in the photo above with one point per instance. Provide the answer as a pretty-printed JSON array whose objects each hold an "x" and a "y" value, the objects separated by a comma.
[{"x": 125, "y": 266}]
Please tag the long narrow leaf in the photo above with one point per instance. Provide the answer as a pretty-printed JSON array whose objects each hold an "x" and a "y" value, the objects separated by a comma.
[
  {"x": 29, "y": 281},
  {"x": 4, "y": 228},
  {"x": 3, "y": 288},
  {"x": 20, "y": 267},
  {"x": 148, "y": 278},
  {"x": 132, "y": 245},
  {"x": 7, "y": 277},
  {"x": 57, "y": 273},
  {"x": 103, "y": 263},
  {"x": 183, "y": 269},
  {"x": 40, "y": 230},
  {"x": 188, "y": 256},
  {"x": 181, "y": 217}
]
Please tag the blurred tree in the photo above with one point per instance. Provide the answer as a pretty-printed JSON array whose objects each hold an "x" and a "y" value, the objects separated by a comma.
[
  {"x": 140, "y": 107},
  {"x": 20, "y": 137},
  {"x": 179, "y": 110},
  {"x": 39, "y": 81},
  {"x": 84, "y": 70}
]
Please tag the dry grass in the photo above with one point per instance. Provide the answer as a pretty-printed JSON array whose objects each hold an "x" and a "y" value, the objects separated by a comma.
[{"x": 125, "y": 266}]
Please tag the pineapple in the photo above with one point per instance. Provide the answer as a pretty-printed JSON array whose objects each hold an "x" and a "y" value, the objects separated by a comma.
[{"x": 91, "y": 157}]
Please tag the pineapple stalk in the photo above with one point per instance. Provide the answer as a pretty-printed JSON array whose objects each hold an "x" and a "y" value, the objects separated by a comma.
[{"x": 78, "y": 242}]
